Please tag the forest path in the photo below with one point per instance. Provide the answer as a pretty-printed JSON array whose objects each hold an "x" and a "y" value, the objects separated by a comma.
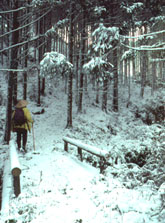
[
  {"x": 49, "y": 127},
  {"x": 57, "y": 187},
  {"x": 62, "y": 186},
  {"x": 65, "y": 186}
]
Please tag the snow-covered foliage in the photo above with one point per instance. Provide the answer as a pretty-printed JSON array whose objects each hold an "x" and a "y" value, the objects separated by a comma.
[
  {"x": 104, "y": 38},
  {"x": 59, "y": 25},
  {"x": 99, "y": 67},
  {"x": 98, "y": 10},
  {"x": 55, "y": 64},
  {"x": 152, "y": 109},
  {"x": 40, "y": 3},
  {"x": 128, "y": 54},
  {"x": 158, "y": 19},
  {"x": 132, "y": 8},
  {"x": 54, "y": 182}
]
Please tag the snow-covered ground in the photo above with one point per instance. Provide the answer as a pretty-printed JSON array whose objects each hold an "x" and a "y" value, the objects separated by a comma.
[{"x": 57, "y": 187}]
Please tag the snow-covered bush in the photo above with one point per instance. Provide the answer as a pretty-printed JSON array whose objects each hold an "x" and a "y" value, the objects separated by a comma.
[
  {"x": 138, "y": 158},
  {"x": 98, "y": 67},
  {"x": 152, "y": 110},
  {"x": 54, "y": 64}
]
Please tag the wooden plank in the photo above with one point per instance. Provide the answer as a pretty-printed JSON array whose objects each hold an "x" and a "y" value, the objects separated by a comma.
[{"x": 92, "y": 149}]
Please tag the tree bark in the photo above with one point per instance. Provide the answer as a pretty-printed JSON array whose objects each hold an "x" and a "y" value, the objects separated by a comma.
[
  {"x": 69, "y": 115},
  {"x": 14, "y": 52},
  {"x": 115, "y": 87},
  {"x": 105, "y": 89},
  {"x": 12, "y": 79},
  {"x": 81, "y": 85}
]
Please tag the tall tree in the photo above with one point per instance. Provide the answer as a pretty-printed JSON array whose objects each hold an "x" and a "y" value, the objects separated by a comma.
[
  {"x": 12, "y": 79},
  {"x": 82, "y": 58},
  {"x": 69, "y": 116}
]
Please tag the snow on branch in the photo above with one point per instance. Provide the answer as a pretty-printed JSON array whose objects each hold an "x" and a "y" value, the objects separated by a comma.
[
  {"x": 99, "y": 66},
  {"x": 13, "y": 70},
  {"x": 21, "y": 43},
  {"x": 157, "y": 60},
  {"x": 96, "y": 62},
  {"x": 54, "y": 63},
  {"x": 59, "y": 25},
  {"x": 104, "y": 38},
  {"x": 144, "y": 48},
  {"x": 132, "y": 8},
  {"x": 128, "y": 54},
  {"x": 140, "y": 36},
  {"x": 22, "y": 27},
  {"x": 13, "y": 10}
]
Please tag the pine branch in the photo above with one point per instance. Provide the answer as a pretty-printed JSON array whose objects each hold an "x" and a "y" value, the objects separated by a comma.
[
  {"x": 144, "y": 48},
  {"x": 25, "y": 25},
  {"x": 13, "y": 10},
  {"x": 22, "y": 43},
  {"x": 148, "y": 34}
]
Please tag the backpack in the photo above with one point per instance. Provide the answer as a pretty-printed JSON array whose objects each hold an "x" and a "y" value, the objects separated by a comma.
[{"x": 19, "y": 118}]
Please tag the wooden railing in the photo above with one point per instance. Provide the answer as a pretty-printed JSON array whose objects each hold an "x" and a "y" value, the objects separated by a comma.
[
  {"x": 87, "y": 148},
  {"x": 15, "y": 168},
  {"x": 11, "y": 179}
]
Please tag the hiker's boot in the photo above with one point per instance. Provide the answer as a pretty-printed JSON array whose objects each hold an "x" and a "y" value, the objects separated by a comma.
[{"x": 24, "y": 150}]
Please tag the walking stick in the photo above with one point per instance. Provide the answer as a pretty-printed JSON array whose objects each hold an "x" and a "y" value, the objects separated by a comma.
[{"x": 33, "y": 137}]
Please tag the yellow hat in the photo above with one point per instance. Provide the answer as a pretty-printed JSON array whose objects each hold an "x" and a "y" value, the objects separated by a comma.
[{"x": 21, "y": 104}]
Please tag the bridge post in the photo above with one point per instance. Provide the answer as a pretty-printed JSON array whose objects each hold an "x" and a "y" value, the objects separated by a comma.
[
  {"x": 66, "y": 146},
  {"x": 80, "y": 153},
  {"x": 15, "y": 168}
]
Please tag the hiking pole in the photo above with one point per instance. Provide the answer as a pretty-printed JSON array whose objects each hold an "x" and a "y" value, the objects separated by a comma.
[{"x": 33, "y": 137}]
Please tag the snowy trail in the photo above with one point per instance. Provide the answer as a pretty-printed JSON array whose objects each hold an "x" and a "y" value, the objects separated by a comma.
[
  {"x": 63, "y": 183},
  {"x": 58, "y": 187},
  {"x": 55, "y": 178}
]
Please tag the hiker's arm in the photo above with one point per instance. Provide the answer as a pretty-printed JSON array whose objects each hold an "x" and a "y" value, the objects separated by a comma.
[{"x": 28, "y": 116}]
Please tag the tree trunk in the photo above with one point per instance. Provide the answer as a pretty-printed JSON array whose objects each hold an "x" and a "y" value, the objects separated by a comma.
[
  {"x": 115, "y": 87},
  {"x": 81, "y": 85},
  {"x": 47, "y": 22},
  {"x": 14, "y": 52},
  {"x": 105, "y": 89},
  {"x": 77, "y": 79},
  {"x": 25, "y": 73},
  {"x": 153, "y": 78},
  {"x": 2, "y": 39},
  {"x": 97, "y": 91},
  {"x": 69, "y": 115},
  {"x": 12, "y": 76},
  {"x": 125, "y": 72},
  {"x": 133, "y": 59},
  {"x": 144, "y": 68}
]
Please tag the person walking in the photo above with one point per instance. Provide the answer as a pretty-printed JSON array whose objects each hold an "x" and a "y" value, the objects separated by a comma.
[{"x": 21, "y": 123}]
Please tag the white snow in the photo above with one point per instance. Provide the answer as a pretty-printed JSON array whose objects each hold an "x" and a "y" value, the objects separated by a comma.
[{"x": 57, "y": 187}]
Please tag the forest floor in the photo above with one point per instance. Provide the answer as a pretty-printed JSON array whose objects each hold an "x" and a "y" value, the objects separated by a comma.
[{"x": 57, "y": 187}]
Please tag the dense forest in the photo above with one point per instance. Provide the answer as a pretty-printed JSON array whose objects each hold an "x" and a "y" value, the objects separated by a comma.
[
  {"x": 102, "y": 42},
  {"x": 104, "y": 57}
]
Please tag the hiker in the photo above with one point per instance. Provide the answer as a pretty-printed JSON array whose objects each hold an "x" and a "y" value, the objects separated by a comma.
[{"x": 21, "y": 123}]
